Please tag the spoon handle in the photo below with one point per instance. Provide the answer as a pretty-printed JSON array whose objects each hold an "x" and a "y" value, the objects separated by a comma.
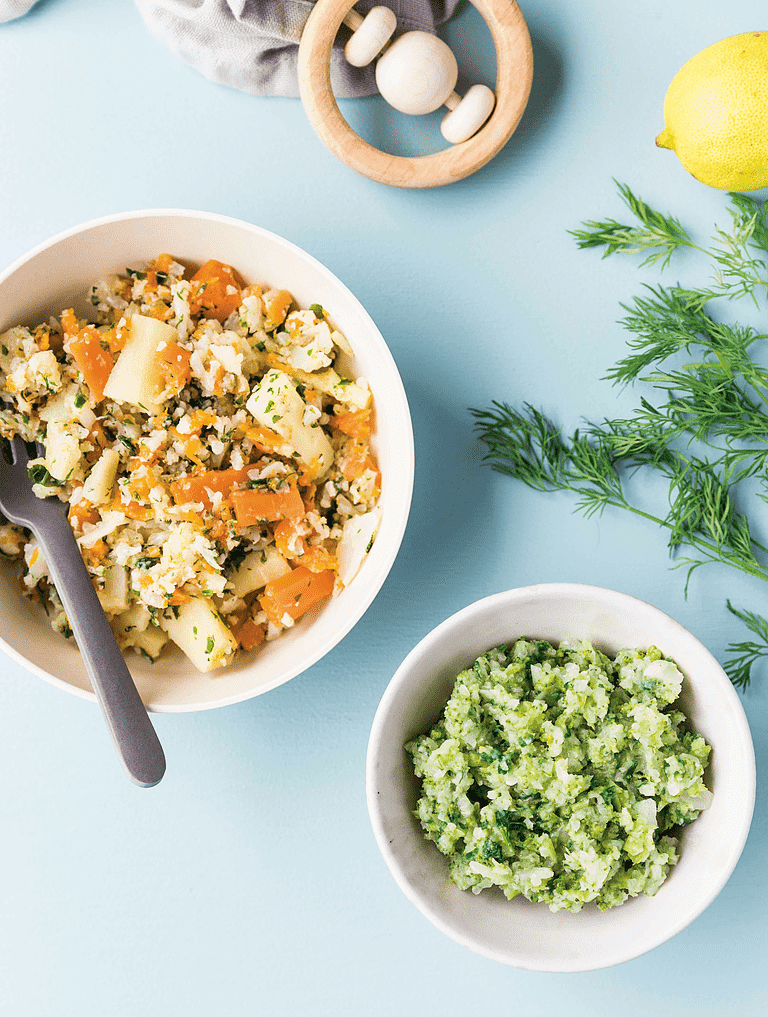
[{"x": 134, "y": 736}]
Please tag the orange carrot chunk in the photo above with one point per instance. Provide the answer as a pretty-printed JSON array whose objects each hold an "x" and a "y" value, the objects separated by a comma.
[
  {"x": 173, "y": 363},
  {"x": 162, "y": 263},
  {"x": 253, "y": 506},
  {"x": 356, "y": 459},
  {"x": 265, "y": 440},
  {"x": 83, "y": 512},
  {"x": 216, "y": 291},
  {"x": 278, "y": 308},
  {"x": 295, "y": 593},
  {"x": 249, "y": 635},
  {"x": 289, "y": 537},
  {"x": 356, "y": 423},
  {"x": 94, "y": 361},
  {"x": 134, "y": 509},
  {"x": 69, "y": 322},
  {"x": 196, "y": 487},
  {"x": 317, "y": 559}
]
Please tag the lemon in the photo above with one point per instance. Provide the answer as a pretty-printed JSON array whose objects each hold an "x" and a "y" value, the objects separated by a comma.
[{"x": 716, "y": 114}]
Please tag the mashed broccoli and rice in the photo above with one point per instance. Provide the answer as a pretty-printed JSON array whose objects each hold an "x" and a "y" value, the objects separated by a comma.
[
  {"x": 214, "y": 454},
  {"x": 560, "y": 774}
]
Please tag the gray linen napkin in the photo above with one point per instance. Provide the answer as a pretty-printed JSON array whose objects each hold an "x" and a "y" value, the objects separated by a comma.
[
  {"x": 252, "y": 44},
  {"x": 10, "y": 9}
]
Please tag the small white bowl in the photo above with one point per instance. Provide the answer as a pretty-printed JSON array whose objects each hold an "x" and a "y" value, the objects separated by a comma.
[
  {"x": 517, "y": 932},
  {"x": 58, "y": 274}
]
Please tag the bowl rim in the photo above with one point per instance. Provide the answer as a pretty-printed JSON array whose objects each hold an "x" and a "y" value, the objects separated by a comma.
[
  {"x": 397, "y": 515},
  {"x": 400, "y": 681}
]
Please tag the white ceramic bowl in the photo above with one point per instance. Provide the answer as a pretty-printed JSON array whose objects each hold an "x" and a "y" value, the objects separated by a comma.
[
  {"x": 517, "y": 932},
  {"x": 59, "y": 273}
]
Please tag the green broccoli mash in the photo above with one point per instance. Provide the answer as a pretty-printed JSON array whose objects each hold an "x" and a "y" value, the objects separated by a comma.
[{"x": 558, "y": 773}]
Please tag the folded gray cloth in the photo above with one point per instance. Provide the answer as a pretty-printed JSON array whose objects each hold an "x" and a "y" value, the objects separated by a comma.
[
  {"x": 253, "y": 44},
  {"x": 10, "y": 9}
]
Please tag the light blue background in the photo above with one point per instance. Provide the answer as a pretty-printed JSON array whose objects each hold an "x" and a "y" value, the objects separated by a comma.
[{"x": 249, "y": 881}]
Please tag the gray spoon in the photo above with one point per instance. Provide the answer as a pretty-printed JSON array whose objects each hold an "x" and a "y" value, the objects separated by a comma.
[{"x": 135, "y": 739}]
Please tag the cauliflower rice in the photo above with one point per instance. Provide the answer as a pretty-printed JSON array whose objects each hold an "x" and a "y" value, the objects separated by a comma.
[
  {"x": 559, "y": 774},
  {"x": 215, "y": 456}
]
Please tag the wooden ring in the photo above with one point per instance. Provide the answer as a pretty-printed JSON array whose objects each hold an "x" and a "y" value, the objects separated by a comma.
[{"x": 514, "y": 59}]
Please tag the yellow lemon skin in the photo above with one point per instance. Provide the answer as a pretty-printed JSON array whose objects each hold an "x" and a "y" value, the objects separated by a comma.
[{"x": 716, "y": 114}]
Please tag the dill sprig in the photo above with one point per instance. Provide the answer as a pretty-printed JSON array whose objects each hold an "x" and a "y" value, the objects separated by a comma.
[
  {"x": 668, "y": 321},
  {"x": 658, "y": 235},
  {"x": 701, "y": 512},
  {"x": 709, "y": 432},
  {"x": 736, "y": 271},
  {"x": 721, "y": 394},
  {"x": 744, "y": 655}
]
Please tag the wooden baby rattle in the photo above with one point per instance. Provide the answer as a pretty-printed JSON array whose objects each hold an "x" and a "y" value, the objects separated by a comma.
[{"x": 417, "y": 74}]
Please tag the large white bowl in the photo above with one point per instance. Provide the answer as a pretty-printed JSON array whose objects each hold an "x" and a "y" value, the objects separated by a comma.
[
  {"x": 517, "y": 932},
  {"x": 58, "y": 274}
]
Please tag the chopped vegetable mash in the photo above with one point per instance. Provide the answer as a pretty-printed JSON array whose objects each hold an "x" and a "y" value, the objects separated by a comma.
[
  {"x": 560, "y": 774},
  {"x": 216, "y": 461}
]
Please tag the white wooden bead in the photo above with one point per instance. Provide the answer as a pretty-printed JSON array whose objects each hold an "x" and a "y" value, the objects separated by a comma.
[
  {"x": 417, "y": 73},
  {"x": 469, "y": 116},
  {"x": 375, "y": 31}
]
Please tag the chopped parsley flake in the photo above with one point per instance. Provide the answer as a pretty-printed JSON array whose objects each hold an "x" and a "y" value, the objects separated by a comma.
[
  {"x": 40, "y": 475},
  {"x": 146, "y": 561}
]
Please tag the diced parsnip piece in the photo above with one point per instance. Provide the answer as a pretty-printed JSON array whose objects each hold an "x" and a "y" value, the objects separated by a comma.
[
  {"x": 276, "y": 404},
  {"x": 258, "y": 569},
  {"x": 99, "y": 483},
  {"x": 136, "y": 378},
  {"x": 62, "y": 407},
  {"x": 340, "y": 340},
  {"x": 356, "y": 539},
  {"x": 342, "y": 390},
  {"x": 37, "y": 567},
  {"x": 132, "y": 628},
  {"x": 126, "y": 625},
  {"x": 62, "y": 449},
  {"x": 12, "y": 345},
  {"x": 199, "y": 632},
  {"x": 114, "y": 596},
  {"x": 150, "y": 641}
]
